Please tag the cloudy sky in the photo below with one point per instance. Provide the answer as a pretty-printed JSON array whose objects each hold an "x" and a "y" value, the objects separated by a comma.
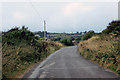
[{"x": 59, "y": 16}]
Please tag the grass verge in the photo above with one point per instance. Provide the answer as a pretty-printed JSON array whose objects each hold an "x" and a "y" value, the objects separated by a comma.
[
  {"x": 103, "y": 50},
  {"x": 21, "y": 49}
]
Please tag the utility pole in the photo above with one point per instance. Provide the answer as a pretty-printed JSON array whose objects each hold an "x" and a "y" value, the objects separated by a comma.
[{"x": 44, "y": 30}]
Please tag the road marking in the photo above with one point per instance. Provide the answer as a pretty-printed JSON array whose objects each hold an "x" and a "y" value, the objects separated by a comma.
[{"x": 47, "y": 66}]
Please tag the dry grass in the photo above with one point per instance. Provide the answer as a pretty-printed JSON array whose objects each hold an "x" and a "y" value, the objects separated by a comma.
[
  {"x": 96, "y": 44},
  {"x": 19, "y": 58},
  {"x": 0, "y": 60},
  {"x": 102, "y": 50}
]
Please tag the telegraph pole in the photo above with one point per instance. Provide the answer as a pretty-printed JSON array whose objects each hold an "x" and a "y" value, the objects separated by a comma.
[{"x": 44, "y": 30}]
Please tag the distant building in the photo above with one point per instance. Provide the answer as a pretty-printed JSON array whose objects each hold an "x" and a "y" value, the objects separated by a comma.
[{"x": 37, "y": 35}]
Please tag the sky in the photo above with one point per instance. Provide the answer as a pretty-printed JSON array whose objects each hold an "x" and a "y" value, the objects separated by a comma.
[{"x": 59, "y": 16}]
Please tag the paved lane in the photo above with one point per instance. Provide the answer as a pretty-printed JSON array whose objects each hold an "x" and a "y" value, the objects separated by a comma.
[{"x": 67, "y": 63}]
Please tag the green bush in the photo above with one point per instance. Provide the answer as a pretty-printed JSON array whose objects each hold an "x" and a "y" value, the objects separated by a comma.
[
  {"x": 56, "y": 39},
  {"x": 107, "y": 47},
  {"x": 21, "y": 49},
  {"x": 88, "y": 35},
  {"x": 78, "y": 39},
  {"x": 114, "y": 26},
  {"x": 67, "y": 42},
  {"x": 16, "y": 35}
]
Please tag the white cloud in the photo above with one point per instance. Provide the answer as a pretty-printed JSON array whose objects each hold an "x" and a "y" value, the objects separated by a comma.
[
  {"x": 73, "y": 8},
  {"x": 60, "y": 17}
]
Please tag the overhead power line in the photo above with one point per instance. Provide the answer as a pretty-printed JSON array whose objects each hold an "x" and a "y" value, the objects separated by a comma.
[
  {"x": 35, "y": 10},
  {"x": 45, "y": 36}
]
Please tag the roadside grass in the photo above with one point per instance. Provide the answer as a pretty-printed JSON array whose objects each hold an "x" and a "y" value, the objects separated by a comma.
[
  {"x": 0, "y": 65},
  {"x": 0, "y": 55},
  {"x": 17, "y": 59},
  {"x": 103, "y": 50},
  {"x": 21, "y": 49}
]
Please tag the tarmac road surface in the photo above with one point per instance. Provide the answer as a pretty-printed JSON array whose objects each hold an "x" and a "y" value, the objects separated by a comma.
[{"x": 67, "y": 63}]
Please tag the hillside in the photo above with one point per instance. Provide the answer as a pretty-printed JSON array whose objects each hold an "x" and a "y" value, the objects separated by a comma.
[
  {"x": 21, "y": 50},
  {"x": 104, "y": 48}
]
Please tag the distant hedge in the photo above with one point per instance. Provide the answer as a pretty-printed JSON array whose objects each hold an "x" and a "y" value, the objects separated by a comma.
[
  {"x": 88, "y": 35},
  {"x": 67, "y": 42}
]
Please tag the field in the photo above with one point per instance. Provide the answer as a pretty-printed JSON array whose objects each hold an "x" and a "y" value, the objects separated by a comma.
[
  {"x": 75, "y": 38},
  {"x": 63, "y": 35}
]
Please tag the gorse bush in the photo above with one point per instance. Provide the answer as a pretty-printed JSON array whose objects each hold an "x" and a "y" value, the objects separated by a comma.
[
  {"x": 105, "y": 51},
  {"x": 88, "y": 35},
  {"x": 16, "y": 35},
  {"x": 114, "y": 27},
  {"x": 21, "y": 48},
  {"x": 104, "y": 48}
]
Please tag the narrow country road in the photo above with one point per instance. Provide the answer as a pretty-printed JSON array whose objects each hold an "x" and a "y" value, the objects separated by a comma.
[{"x": 67, "y": 63}]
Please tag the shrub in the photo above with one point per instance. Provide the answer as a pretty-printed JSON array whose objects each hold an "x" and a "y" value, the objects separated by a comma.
[
  {"x": 88, "y": 35},
  {"x": 21, "y": 49},
  {"x": 112, "y": 27},
  {"x": 67, "y": 42},
  {"x": 16, "y": 35},
  {"x": 56, "y": 39}
]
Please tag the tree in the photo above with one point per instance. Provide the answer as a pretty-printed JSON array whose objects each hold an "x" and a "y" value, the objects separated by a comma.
[{"x": 77, "y": 32}]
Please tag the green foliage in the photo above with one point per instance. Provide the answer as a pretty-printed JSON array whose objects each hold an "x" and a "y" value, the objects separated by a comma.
[
  {"x": 72, "y": 38},
  {"x": 78, "y": 39},
  {"x": 56, "y": 39},
  {"x": 21, "y": 48},
  {"x": 16, "y": 35},
  {"x": 117, "y": 47},
  {"x": 67, "y": 42},
  {"x": 88, "y": 35},
  {"x": 114, "y": 27}
]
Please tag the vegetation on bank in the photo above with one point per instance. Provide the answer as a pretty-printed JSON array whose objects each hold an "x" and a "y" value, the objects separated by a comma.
[
  {"x": 21, "y": 49},
  {"x": 104, "y": 48},
  {"x": 0, "y": 55},
  {"x": 88, "y": 35}
]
